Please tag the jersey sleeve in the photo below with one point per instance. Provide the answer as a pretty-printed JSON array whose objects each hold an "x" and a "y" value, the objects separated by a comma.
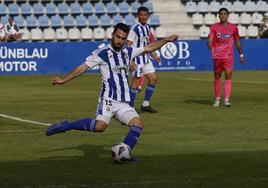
[
  {"x": 131, "y": 36},
  {"x": 136, "y": 52},
  {"x": 236, "y": 34},
  {"x": 212, "y": 32},
  {"x": 93, "y": 60}
]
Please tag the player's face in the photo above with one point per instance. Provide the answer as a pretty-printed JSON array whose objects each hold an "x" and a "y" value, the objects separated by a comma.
[
  {"x": 223, "y": 16},
  {"x": 119, "y": 38},
  {"x": 10, "y": 21},
  {"x": 143, "y": 17}
]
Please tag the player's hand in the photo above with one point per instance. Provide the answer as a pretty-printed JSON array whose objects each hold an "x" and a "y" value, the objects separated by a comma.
[
  {"x": 242, "y": 60},
  {"x": 132, "y": 66},
  {"x": 57, "y": 81},
  {"x": 172, "y": 38},
  {"x": 157, "y": 58}
]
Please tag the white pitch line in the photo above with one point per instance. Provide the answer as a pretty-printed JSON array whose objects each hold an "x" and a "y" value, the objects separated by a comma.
[
  {"x": 207, "y": 80},
  {"x": 16, "y": 131},
  {"x": 24, "y": 120}
]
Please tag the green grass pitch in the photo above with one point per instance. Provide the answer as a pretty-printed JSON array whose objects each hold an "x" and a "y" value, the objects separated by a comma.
[{"x": 188, "y": 144}]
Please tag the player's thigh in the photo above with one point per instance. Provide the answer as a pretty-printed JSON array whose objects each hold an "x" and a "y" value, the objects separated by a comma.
[
  {"x": 218, "y": 65},
  {"x": 152, "y": 78},
  {"x": 126, "y": 113},
  {"x": 228, "y": 65},
  {"x": 148, "y": 68},
  {"x": 104, "y": 110},
  {"x": 228, "y": 68},
  {"x": 139, "y": 70},
  {"x": 149, "y": 72},
  {"x": 218, "y": 68}
]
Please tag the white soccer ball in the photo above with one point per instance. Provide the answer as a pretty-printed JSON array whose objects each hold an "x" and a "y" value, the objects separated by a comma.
[{"x": 121, "y": 153}]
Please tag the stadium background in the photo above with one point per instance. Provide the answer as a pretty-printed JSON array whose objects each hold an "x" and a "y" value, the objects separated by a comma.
[
  {"x": 188, "y": 144},
  {"x": 61, "y": 26}
]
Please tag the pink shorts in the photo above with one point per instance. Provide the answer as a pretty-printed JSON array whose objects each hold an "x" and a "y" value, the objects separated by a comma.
[{"x": 223, "y": 65}]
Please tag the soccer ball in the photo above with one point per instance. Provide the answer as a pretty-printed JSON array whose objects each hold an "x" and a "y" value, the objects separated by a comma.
[{"x": 121, "y": 153}]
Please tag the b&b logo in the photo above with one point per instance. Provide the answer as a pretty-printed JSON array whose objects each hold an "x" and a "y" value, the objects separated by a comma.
[{"x": 170, "y": 50}]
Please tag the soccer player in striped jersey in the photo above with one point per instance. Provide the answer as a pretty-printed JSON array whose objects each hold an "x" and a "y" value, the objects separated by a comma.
[
  {"x": 139, "y": 36},
  {"x": 114, "y": 62},
  {"x": 220, "y": 41}
]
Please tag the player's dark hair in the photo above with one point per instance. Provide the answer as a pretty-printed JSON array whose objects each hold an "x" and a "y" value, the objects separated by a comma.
[
  {"x": 143, "y": 9},
  {"x": 224, "y": 9},
  {"x": 122, "y": 27}
]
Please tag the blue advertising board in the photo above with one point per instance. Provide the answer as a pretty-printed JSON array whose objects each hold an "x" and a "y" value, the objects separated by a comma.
[{"x": 62, "y": 57}]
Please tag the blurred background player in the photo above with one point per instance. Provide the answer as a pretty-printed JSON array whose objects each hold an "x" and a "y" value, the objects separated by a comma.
[
  {"x": 13, "y": 32},
  {"x": 263, "y": 27},
  {"x": 113, "y": 61},
  {"x": 220, "y": 42},
  {"x": 139, "y": 35},
  {"x": 2, "y": 33}
]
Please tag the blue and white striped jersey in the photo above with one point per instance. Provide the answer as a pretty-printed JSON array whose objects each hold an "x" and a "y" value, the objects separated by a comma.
[
  {"x": 114, "y": 68},
  {"x": 140, "y": 36}
]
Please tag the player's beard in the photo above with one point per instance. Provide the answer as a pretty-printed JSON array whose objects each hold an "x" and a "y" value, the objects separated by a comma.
[{"x": 116, "y": 47}]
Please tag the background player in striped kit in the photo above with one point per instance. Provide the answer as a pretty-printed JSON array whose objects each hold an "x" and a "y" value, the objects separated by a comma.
[
  {"x": 221, "y": 39},
  {"x": 113, "y": 61},
  {"x": 139, "y": 35}
]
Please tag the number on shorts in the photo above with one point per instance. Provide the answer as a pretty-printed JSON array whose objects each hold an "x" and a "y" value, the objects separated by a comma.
[
  {"x": 141, "y": 70},
  {"x": 108, "y": 102}
]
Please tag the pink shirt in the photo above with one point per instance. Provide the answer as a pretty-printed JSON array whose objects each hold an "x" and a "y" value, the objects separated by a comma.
[{"x": 223, "y": 39}]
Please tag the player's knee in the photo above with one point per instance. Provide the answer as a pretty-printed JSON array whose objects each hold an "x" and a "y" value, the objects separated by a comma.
[
  {"x": 100, "y": 126},
  {"x": 228, "y": 75},
  {"x": 152, "y": 79},
  {"x": 217, "y": 75},
  {"x": 137, "y": 122}
]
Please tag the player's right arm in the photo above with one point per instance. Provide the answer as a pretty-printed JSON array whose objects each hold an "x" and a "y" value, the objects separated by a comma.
[
  {"x": 91, "y": 61},
  {"x": 131, "y": 37},
  {"x": 210, "y": 38},
  {"x": 73, "y": 74},
  {"x": 210, "y": 41}
]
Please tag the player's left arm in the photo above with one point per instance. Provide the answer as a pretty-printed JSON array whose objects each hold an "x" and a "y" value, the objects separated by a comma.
[
  {"x": 157, "y": 44},
  {"x": 238, "y": 46}
]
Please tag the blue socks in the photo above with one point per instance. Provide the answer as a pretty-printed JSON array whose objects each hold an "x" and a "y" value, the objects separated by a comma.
[
  {"x": 133, "y": 93},
  {"x": 149, "y": 92},
  {"x": 86, "y": 124},
  {"x": 132, "y": 136}
]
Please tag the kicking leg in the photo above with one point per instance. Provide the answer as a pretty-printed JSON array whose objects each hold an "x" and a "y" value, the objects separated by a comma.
[{"x": 86, "y": 124}]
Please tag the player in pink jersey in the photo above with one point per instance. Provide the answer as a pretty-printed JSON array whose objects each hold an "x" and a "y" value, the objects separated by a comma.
[{"x": 220, "y": 41}]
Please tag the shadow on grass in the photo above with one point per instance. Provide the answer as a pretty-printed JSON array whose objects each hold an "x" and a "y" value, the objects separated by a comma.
[
  {"x": 198, "y": 101},
  {"x": 95, "y": 168}
]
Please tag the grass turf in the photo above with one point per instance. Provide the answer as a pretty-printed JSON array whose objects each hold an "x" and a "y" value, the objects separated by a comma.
[{"x": 187, "y": 144}]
